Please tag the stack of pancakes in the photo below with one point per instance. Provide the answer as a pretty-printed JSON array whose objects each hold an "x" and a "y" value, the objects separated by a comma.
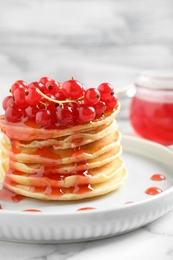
[{"x": 78, "y": 162}]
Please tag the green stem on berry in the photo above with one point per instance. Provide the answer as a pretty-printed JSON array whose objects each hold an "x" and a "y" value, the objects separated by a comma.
[{"x": 60, "y": 102}]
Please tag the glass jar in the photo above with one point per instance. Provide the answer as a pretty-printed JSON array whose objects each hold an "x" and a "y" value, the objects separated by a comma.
[{"x": 151, "y": 108}]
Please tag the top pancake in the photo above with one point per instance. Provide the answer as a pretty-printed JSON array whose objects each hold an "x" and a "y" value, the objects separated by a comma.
[{"x": 27, "y": 131}]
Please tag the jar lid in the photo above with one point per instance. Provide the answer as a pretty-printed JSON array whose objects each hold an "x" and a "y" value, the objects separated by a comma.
[{"x": 155, "y": 79}]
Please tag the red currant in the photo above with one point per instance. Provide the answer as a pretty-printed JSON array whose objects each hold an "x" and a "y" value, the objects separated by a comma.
[
  {"x": 43, "y": 117},
  {"x": 38, "y": 85},
  {"x": 73, "y": 89},
  {"x": 100, "y": 108},
  {"x": 86, "y": 113},
  {"x": 60, "y": 95},
  {"x": 18, "y": 84},
  {"x": 32, "y": 96},
  {"x": 65, "y": 115},
  {"x": 111, "y": 104},
  {"x": 5, "y": 102},
  {"x": 106, "y": 91},
  {"x": 31, "y": 111},
  {"x": 92, "y": 96},
  {"x": 44, "y": 80},
  {"x": 19, "y": 98},
  {"x": 13, "y": 114},
  {"x": 46, "y": 103},
  {"x": 52, "y": 87}
]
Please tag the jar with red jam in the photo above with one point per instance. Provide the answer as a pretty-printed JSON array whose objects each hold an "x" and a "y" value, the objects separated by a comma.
[{"x": 151, "y": 108}]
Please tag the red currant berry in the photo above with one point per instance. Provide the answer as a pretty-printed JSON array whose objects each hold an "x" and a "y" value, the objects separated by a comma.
[
  {"x": 19, "y": 98},
  {"x": 5, "y": 102},
  {"x": 38, "y": 85},
  {"x": 43, "y": 117},
  {"x": 92, "y": 96},
  {"x": 106, "y": 91},
  {"x": 100, "y": 108},
  {"x": 73, "y": 89},
  {"x": 48, "y": 104},
  {"x": 60, "y": 95},
  {"x": 44, "y": 80},
  {"x": 74, "y": 107},
  {"x": 13, "y": 114},
  {"x": 18, "y": 84},
  {"x": 31, "y": 111},
  {"x": 111, "y": 104},
  {"x": 52, "y": 87},
  {"x": 65, "y": 115},
  {"x": 86, "y": 113},
  {"x": 32, "y": 96}
]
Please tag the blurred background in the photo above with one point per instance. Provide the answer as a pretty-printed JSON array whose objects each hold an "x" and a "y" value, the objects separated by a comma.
[{"x": 92, "y": 40}]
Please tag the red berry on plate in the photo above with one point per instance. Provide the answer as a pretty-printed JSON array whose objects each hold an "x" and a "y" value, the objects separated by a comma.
[
  {"x": 92, "y": 96},
  {"x": 106, "y": 91},
  {"x": 86, "y": 113},
  {"x": 73, "y": 89}
]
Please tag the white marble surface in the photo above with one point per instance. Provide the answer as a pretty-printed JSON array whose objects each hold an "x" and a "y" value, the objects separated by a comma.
[{"x": 94, "y": 41}]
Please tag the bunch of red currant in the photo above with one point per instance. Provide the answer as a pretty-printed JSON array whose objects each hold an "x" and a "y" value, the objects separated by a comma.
[{"x": 48, "y": 102}]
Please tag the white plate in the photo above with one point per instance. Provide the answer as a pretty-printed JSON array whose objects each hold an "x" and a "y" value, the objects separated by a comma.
[{"x": 63, "y": 221}]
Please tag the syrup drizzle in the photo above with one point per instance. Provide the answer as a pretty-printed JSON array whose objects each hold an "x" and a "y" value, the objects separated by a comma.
[
  {"x": 129, "y": 202},
  {"x": 10, "y": 196},
  {"x": 31, "y": 210},
  {"x": 158, "y": 177},
  {"x": 153, "y": 191},
  {"x": 86, "y": 208}
]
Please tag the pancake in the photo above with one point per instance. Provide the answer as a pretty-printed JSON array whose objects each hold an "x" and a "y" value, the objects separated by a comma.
[
  {"x": 76, "y": 192},
  {"x": 29, "y": 131},
  {"x": 72, "y": 141},
  {"x": 92, "y": 176}
]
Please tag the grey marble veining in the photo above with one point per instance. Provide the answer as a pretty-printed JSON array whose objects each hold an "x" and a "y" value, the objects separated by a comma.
[{"x": 41, "y": 36}]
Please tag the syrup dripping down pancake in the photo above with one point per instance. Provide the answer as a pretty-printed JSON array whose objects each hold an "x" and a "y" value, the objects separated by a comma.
[
  {"x": 76, "y": 192},
  {"x": 92, "y": 176}
]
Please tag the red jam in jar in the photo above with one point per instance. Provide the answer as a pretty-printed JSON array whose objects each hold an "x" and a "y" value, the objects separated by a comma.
[{"x": 151, "y": 109}]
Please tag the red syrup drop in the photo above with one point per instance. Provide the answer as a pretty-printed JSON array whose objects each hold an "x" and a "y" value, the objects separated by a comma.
[
  {"x": 153, "y": 191},
  {"x": 10, "y": 196},
  {"x": 86, "y": 208},
  {"x": 129, "y": 202},
  {"x": 158, "y": 177},
  {"x": 31, "y": 210}
]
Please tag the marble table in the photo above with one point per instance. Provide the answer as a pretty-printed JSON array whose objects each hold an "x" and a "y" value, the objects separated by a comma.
[{"x": 94, "y": 41}]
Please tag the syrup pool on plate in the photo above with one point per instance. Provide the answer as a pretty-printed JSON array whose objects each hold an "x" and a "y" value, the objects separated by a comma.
[{"x": 151, "y": 110}]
